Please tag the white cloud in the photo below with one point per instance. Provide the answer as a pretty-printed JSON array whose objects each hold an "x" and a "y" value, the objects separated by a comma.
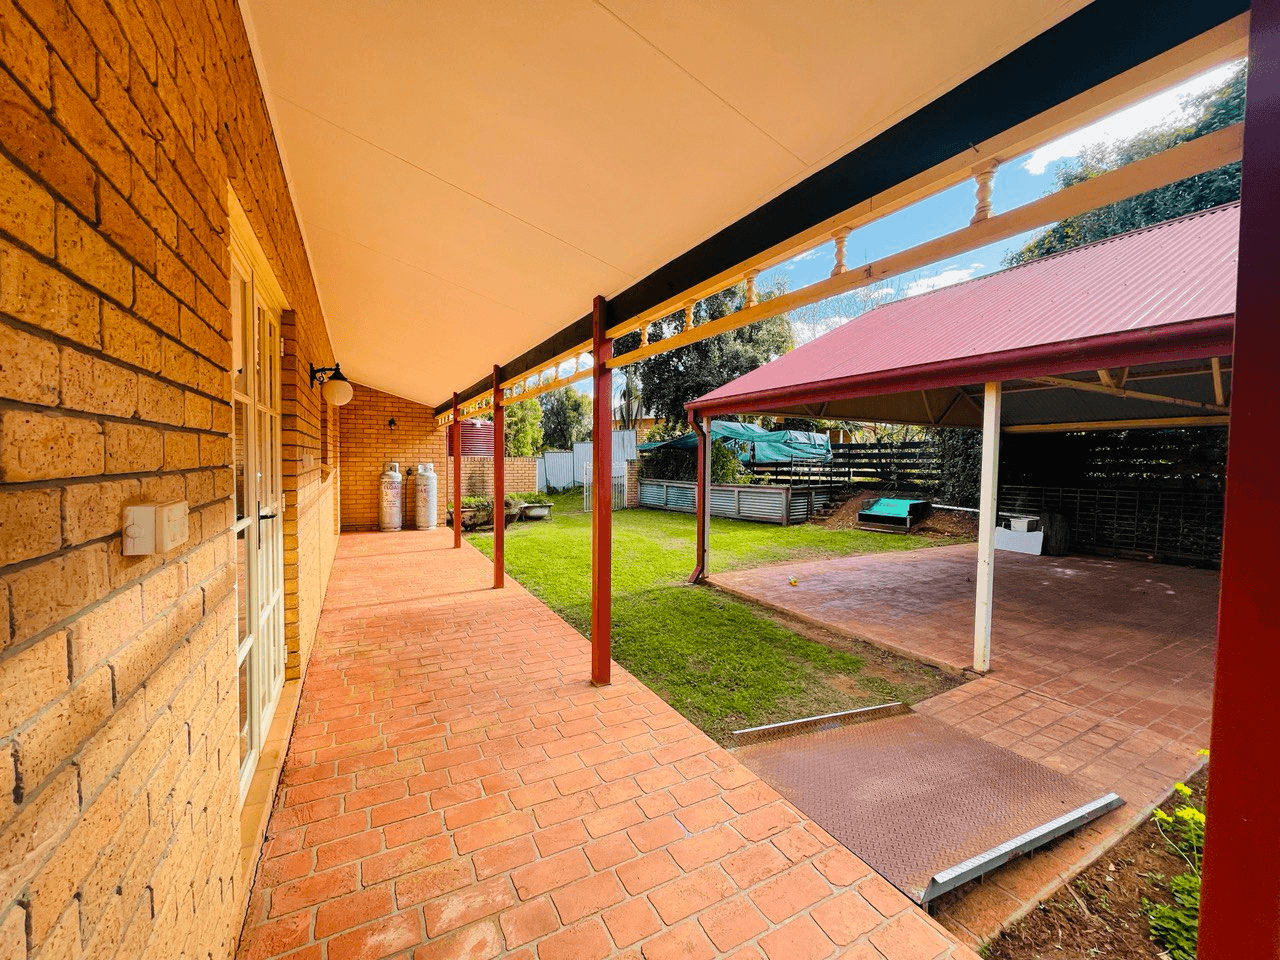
[
  {"x": 804, "y": 330},
  {"x": 1155, "y": 111},
  {"x": 945, "y": 278}
]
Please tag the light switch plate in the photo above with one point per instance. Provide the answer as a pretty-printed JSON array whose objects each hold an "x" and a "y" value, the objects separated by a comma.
[{"x": 154, "y": 527}]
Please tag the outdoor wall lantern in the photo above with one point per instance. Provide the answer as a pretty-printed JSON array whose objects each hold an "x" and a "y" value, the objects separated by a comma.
[{"x": 337, "y": 389}]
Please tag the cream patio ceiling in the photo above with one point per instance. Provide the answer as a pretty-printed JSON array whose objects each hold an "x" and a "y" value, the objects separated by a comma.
[{"x": 469, "y": 175}]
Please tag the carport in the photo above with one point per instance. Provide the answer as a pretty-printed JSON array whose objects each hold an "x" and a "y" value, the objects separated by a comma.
[{"x": 1131, "y": 332}]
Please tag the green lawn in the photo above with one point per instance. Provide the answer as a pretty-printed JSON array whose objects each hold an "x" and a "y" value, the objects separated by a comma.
[{"x": 722, "y": 663}]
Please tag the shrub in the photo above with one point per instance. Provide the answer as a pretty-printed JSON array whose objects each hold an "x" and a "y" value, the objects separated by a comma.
[{"x": 1174, "y": 927}]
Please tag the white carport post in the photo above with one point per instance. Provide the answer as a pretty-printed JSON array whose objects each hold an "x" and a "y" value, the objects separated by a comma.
[{"x": 987, "y": 527}]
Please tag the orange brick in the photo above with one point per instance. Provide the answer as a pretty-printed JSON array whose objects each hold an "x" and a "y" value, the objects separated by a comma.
[
  {"x": 537, "y": 878},
  {"x": 798, "y": 940},
  {"x": 37, "y": 446},
  {"x": 684, "y": 942},
  {"x": 732, "y": 923},
  {"x": 84, "y": 253},
  {"x": 631, "y": 922},
  {"x": 845, "y": 918},
  {"x": 30, "y": 524},
  {"x": 466, "y": 905},
  {"x": 908, "y": 936},
  {"x": 788, "y": 894},
  {"x": 433, "y": 882},
  {"x": 587, "y": 896},
  {"x": 528, "y": 922},
  {"x": 691, "y": 893},
  {"x": 44, "y": 148},
  {"x": 389, "y": 935},
  {"x": 352, "y": 910},
  {"x": 585, "y": 941}
]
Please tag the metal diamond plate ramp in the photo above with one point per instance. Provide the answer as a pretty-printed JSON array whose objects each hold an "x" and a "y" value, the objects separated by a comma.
[{"x": 927, "y": 806}]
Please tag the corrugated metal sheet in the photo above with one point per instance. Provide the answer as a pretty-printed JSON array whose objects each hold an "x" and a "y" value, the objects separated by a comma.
[
  {"x": 559, "y": 469},
  {"x": 763, "y": 504},
  {"x": 477, "y": 438},
  {"x": 624, "y": 449},
  {"x": 1174, "y": 273}
]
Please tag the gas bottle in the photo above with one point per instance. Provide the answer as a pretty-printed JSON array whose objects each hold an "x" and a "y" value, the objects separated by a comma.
[
  {"x": 390, "y": 513},
  {"x": 424, "y": 494}
]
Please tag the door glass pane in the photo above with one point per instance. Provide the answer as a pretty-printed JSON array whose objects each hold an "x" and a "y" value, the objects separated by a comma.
[
  {"x": 242, "y": 330},
  {"x": 240, "y": 442},
  {"x": 242, "y": 584},
  {"x": 246, "y": 727}
]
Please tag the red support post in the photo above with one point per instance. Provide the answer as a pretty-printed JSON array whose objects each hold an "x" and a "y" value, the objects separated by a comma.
[
  {"x": 602, "y": 493},
  {"x": 499, "y": 484},
  {"x": 702, "y": 498},
  {"x": 1240, "y": 898},
  {"x": 456, "y": 428}
]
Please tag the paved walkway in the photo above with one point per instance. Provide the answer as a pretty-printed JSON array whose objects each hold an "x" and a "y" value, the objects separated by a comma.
[
  {"x": 455, "y": 788},
  {"x": 1101, "y": 669}
]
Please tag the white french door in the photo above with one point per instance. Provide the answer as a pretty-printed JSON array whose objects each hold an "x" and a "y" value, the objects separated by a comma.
[{"x": 259, "y": 503}]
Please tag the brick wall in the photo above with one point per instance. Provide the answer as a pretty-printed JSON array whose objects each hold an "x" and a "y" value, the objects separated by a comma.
[
  {"x": 121, "y": 126},
  {"x": 633, "y": 484},
  {"x": 521, "y": 475},
  {"x": 369, "y": 443}
]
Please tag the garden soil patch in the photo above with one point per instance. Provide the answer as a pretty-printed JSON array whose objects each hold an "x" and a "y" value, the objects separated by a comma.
[
  {"x": 1100, "y": 915},
  {"x": 939, "y": 525}
]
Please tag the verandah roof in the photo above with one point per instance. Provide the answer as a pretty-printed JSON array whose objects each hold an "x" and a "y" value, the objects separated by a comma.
[{"x": 1158, "y": 302}]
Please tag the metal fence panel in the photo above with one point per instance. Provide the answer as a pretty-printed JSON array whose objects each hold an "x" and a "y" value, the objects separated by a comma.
[
  {"x": 624, "y": 449},
  {"x": 735, "y": 502},
  {"x": 619, "y": 485},
  {"x": 558, "y": 467}
]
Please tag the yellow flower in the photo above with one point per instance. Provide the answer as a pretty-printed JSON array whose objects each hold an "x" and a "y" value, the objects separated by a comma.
[{"x": 1183, "y": 789}]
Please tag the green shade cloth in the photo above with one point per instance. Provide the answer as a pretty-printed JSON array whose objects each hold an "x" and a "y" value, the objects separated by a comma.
[{"x": 755, "y": 444}]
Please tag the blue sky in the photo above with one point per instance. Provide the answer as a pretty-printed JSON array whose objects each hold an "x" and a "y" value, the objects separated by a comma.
[{"x": 1016, "y": 183}]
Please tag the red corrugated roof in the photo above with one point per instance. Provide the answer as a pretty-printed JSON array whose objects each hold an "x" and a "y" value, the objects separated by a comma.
[{"x": 1149, "y": 295}]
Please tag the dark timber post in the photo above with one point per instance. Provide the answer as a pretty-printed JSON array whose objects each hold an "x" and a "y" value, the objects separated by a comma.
[
  {"x": 499, "y": 484},
  {"x": 1240, "y": 900},
  {"x": 456, "y": 428},
  {"x": 602, "y": 492}
]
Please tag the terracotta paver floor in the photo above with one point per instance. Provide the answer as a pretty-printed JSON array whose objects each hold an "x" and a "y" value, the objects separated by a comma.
[
  {"x": 1101, "y": 669},
  {"x": 456, "y": 788}
]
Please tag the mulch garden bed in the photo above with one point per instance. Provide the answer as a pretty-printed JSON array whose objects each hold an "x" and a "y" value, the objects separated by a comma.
[
  {"x": 1100, "y": 915},
  {"x": 938, "y": 525}
]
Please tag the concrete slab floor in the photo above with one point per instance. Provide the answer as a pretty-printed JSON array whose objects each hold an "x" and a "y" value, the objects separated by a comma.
[{"x": 1101, "y": 669}]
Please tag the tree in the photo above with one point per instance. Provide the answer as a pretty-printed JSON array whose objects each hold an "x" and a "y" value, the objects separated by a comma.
[
  {"x": 1207, "y": 112},
  {"x": 669, "y": 380},
  {"x": 523, "y": 428},
  {"x": 566, "y": 418}
]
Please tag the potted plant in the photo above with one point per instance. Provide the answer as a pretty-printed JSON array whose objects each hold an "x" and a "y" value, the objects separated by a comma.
[
  {"x": 476, "y": 511},
  {"x": 537, "y": 506},
  {"x": 514, "y": 503}
]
